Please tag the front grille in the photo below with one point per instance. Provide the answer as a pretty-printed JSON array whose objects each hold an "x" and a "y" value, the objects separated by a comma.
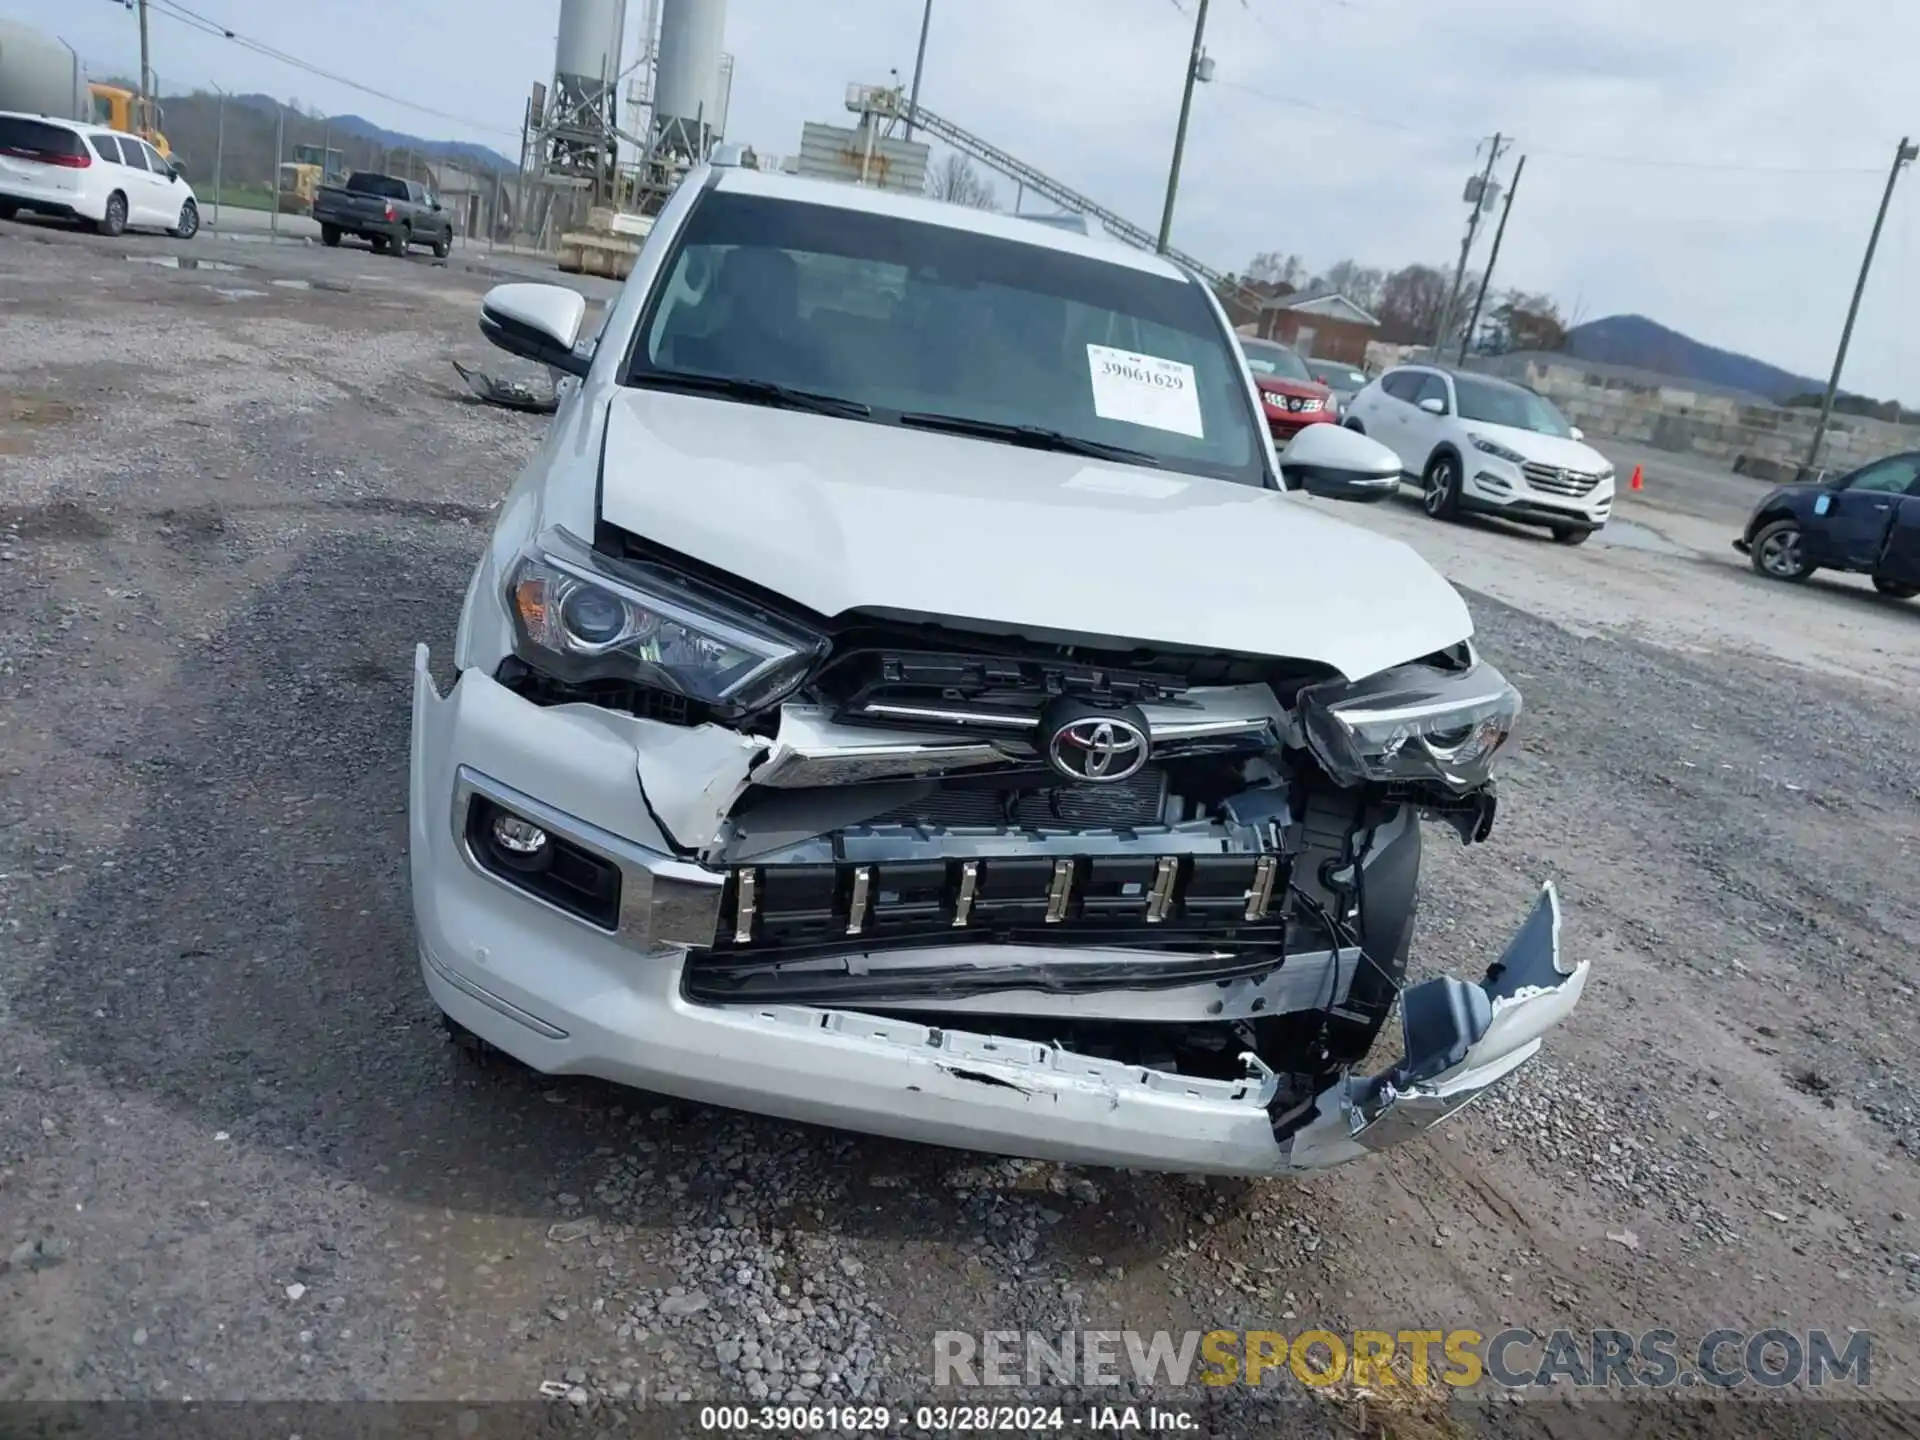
[
  {"x": 1196, "y": 901},
  {"x": 1555, "y": 481},
  {"x": 933, "y": 675}
]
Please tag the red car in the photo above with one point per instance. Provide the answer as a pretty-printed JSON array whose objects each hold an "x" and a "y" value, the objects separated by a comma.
[{"x": 1289, "y": 395}]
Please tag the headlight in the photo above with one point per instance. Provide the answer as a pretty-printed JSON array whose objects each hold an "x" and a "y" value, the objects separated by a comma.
[
  {"x": 1512, "y": 457},
  {"x": 579, "y": 616},
  {"x": 1412, "y": 723}
]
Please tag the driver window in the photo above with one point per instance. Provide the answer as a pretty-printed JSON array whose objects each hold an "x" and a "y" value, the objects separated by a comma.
[
  {"x": 1432, "y": 387},
  {"x": 1887, "y": 477}
]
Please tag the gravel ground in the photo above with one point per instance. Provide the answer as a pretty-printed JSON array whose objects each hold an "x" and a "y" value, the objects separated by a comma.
[{"x": 237, "y": 1160}]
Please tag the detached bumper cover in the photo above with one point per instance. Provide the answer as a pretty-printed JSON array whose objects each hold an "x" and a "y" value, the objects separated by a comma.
[{"x": 569, "y": 997}]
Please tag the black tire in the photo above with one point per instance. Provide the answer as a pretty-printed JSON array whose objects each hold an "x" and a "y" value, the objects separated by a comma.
[
  {"x": 330, "y": 235},
  {"x": 1570, "y": 535},
  {"x": 114, "y": 222},
  {"x": 1894, "y": 591},
  {"x": 1355, "y": 426},
  {"x": 1440, "y": 486},
  {"x": 405, "y": 242},
  {"x": 8, "y": 209},
  {"x": 188, "y": 225},
  {"x": 441, "y": 248},
  {"x": 1779, "y": 554},
  {"x": 380, "y": 243}
]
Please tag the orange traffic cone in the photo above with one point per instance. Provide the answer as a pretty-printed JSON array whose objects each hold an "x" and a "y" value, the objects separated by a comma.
[{"x": 1634, "y": 484}]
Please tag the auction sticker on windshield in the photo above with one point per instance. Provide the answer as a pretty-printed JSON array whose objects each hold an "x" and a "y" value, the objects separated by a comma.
[{"x": 1144, "y": 390}]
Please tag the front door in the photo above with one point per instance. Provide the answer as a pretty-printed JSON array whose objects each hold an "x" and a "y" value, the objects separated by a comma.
[
  {"x": 1900, "y": 561},
  {"x": 1423, "y": 426},
  {"x": 1849, "y": 524}
]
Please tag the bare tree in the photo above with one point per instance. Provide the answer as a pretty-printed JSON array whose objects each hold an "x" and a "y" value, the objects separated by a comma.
[
  {"x": 1523, "y": 321},
  {"x": 956, "y": 180},
  {"x": 1410, "y": 302},
  {"x": 1359, "y": 283},
  {"x": 1270, "y": 267}
]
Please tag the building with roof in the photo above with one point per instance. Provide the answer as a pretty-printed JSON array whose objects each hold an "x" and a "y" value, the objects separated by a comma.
[{"x": 1320, "y": 322}]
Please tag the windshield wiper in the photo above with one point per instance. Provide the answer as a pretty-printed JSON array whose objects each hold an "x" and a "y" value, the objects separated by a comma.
[
  {"x": 1036, "y": 437},
  {"x": 758, "y": 392}
]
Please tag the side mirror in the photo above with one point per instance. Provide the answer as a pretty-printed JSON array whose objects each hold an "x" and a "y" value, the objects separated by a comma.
[
  {"x": 1336, "y": 463},
  {"x": 1576, "y": 432},
  {"x": 536, "y": 322},
  {"x": 1434, "y": 405}
]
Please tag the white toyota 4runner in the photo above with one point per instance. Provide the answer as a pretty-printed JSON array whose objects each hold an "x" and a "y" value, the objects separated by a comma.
[{"x": 907, "y": 692}]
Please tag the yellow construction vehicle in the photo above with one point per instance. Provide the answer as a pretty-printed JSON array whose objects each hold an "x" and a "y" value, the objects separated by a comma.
[{"x": 121, "y": 109}]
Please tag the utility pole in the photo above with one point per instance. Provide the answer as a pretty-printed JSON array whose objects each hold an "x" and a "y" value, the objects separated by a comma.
[
  {"x": 1903, "y": 156},
  {"x": 273, "y": 179},
  {"x": 1493, "y": 259},
  {"x": 219, "y": 150},
  {"x": 1479, "y": 197},
  {"x": 146, "y": 68},
  {"x": 1199, "y": 67},
  {"x": 919, "y": 63}
]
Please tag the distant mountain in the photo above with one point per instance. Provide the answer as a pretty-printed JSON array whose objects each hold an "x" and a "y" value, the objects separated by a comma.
[
  {"x": 1643, "y": 344},
  {"x": 243, "y": 131},
  {"x": 475, "y": 157}
]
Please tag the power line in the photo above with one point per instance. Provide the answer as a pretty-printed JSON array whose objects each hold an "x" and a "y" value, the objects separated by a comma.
[{"x": 179, "y": 13}]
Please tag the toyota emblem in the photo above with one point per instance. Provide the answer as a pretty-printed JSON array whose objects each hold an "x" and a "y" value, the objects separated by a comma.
[{"x": 1101, "y": 749}]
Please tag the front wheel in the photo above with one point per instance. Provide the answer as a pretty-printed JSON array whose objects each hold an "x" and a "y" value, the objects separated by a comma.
[
  {"x": 188, "y": 225},
  {"x": 1780, "y": 552},
  {"x": 1441, "y": 494},
  {"x": 1570, "y": 534},
  {"x": 441, "y": 248},
  {"x": 1894, "y": 590},
  {"x": 114, "y": 222}
]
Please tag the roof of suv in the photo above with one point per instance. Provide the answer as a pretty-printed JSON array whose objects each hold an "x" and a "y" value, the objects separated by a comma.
[{"x": 869, "y": 200}]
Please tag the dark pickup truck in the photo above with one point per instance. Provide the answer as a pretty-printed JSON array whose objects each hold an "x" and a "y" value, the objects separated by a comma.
[{"x": 392, "y": 213}]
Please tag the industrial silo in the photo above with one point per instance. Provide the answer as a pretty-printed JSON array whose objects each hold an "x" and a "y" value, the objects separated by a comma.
[
  {"x": 689, "y": 99},
  {"x": 582, "y": 116},
  {"x": 39, "y": 75},
  {"x": 587, "y": 56}
]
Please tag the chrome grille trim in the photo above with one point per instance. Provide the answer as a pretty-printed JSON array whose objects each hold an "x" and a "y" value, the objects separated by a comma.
[{"x": 1554, "y": 480}]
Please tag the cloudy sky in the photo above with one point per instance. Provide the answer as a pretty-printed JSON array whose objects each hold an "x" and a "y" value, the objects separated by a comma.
[{"x": 1714, "y": 164}]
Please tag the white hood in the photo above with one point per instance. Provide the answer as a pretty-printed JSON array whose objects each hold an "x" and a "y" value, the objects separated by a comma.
[
  {"x": 1554, "y": 450},
  {"x": 839, "y": 515}
]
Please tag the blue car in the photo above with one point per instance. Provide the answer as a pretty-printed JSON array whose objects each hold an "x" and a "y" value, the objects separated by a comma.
[{"x": 1867, "y": 522}]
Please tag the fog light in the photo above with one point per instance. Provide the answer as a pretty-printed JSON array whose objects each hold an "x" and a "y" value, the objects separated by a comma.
[{"x": 517, "y": 836}]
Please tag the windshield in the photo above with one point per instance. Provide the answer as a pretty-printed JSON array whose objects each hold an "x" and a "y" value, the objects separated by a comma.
[
  {"x": 936, "y": 323},
  {"x": 1495, "y": 404},
  {"x": 1344, "y": 377},
  {"x": 1266, "y": 358}
]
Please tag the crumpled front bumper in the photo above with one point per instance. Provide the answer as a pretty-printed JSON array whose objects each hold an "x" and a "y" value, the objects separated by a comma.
[{"x": 568, "y": 997}]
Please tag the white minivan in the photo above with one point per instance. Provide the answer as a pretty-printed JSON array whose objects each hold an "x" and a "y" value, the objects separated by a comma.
[{"x": 87, "y": 172}]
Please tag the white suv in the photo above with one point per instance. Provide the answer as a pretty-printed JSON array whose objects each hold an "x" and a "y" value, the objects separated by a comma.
[
  {"x": 1476, "y": 444},
  {"x": 88, "y": 172},
  {"x": 876, "y": 707}
]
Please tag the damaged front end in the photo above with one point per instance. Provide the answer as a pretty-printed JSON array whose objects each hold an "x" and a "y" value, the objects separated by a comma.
[{"x": 1070, "y": 898}]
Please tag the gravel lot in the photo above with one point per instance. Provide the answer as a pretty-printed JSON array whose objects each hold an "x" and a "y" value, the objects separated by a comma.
[{"x": 238, "y": 1161}]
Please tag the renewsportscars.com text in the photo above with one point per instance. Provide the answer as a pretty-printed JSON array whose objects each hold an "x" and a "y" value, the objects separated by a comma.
[{"x": 1513, "y": 1358}]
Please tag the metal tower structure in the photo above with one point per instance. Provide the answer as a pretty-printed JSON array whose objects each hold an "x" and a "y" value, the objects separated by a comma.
[{"x": 877, "y": 103}]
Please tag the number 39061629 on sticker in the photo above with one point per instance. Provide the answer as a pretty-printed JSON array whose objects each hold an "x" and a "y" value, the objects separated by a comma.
[{"x": 1144, "y": 390}]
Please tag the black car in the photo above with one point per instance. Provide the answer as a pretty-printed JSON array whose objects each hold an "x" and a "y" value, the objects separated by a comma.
[{"x": 1867, "y": 522}]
